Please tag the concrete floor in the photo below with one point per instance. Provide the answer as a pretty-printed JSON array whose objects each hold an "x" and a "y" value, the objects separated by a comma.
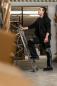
[
  {"x": 11, "y": 75},
  {"x": 41, "y": 78}
]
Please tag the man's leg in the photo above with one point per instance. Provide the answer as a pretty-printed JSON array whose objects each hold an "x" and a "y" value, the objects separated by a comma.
[
  {"x": 31, "y": 46},
  {"x": 49, "y": 60},
  {"x": 34, "y": 65},
  {"x": 49, "y": 57}
]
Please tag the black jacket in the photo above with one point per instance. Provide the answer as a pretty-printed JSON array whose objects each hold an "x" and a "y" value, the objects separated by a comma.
[{"x": 42, "y": 26}]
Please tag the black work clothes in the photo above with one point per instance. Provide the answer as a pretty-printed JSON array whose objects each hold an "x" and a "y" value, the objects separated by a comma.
[
  {"x": 42, "y": 26},
  {"x": 42, "y": 45}
]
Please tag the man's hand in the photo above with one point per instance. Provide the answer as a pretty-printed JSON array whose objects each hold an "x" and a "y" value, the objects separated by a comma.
[
  {"x": 46, "y": 38},
  {"x": 25, "y": 28}
]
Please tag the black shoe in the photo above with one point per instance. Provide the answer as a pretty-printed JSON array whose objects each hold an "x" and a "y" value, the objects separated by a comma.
[
  {"x": 36, "y": 68},
  {"x": 33, "y": 70},
  {"x": 48, "y": 69}
]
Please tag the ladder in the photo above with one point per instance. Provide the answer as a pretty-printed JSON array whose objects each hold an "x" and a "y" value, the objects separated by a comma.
[{"x": 24, "y": 41}]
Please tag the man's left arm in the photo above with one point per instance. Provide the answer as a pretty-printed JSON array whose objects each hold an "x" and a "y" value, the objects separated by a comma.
[{"x": 48, "y": 32}]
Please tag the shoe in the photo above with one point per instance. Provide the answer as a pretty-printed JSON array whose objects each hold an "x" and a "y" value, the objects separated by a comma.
[
  {"x": 34, "y": 70},
  {"x": 48, "y": 69}
]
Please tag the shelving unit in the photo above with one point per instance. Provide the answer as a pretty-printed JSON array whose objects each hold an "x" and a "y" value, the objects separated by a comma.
[
  {"x": 7, "y": 38},
  {"x": 7, "y": 8}
]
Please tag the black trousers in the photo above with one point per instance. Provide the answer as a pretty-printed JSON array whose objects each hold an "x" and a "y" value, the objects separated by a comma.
[{"x": 44, "y": 46}]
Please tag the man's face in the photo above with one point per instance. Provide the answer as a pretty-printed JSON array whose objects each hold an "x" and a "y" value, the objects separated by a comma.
[{"x": 40, "y": 11}]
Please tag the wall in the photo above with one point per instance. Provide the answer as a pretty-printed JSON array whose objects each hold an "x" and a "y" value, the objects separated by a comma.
[{"x": 51, "y": 13}]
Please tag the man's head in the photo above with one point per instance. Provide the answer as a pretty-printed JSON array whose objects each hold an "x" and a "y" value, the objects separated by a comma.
[{"x": 41, "y": 11}]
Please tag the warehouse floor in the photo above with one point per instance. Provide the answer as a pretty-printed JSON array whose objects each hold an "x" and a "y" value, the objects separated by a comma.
[{"x": 11, "y": 75}]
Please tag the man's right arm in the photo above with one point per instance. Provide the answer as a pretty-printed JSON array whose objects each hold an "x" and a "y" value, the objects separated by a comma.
[{"x": 30, "y": 26}]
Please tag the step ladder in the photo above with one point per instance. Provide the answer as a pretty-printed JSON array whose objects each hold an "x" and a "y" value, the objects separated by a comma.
[{"x": 24, "y": 41}]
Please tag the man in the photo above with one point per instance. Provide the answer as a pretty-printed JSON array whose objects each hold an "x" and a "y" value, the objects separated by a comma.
[{"x": 42, "y": 37}]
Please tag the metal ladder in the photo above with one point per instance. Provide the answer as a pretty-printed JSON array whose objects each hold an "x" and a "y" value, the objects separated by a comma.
[{"x": 24, "y": 41}]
